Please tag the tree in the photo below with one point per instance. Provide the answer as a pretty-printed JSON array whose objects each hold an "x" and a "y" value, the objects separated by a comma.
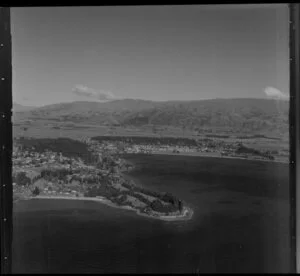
[
  {"x": 22, "y": 179},
  {"x": 36, "y": 191},
  {"x": 180, "y": 207},
  {"x": 156, "y": 205}
]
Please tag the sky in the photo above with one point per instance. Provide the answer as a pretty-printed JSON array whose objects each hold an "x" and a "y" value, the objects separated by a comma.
[{"x": 159, "y": 53}]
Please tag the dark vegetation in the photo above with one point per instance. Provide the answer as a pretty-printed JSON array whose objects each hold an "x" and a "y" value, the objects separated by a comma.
[
  {"x": 21, "y": 179},
  {"x": 68, "y": 147},
  {"x": 246, "y": 150},
  {"x": 36, "y": 191},
  {"x": 61, "y": 175},
  {"x": 172, "y": 203}
]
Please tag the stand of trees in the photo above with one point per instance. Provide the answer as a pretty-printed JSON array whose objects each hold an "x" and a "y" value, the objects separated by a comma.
[
  {"x": 21, "y": 179},
  {"x": 68, "y": 147},
  {"x": 61, "y": 174},
  {"x": 36, "y": 191},
  {"x": 120, "y": 200},
  {"x": 173, "y": 204},
  {"x": 166, "y": 197},
  {"x": 157, "y": 206},
  {"x": 104, "y": 190},
  {"x": 245, "y": 150}
]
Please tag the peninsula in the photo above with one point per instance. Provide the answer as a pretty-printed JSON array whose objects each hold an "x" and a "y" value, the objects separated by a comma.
[{"x": 68, "y": 169}]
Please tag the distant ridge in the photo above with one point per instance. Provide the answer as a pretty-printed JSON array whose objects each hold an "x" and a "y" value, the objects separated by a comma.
[
  {"x": 238, "y": 113},
  {"x": 21, "y": 108}
]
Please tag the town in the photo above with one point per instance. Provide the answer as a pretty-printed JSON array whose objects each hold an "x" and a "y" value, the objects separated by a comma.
[{"x": 174, "y": 145}]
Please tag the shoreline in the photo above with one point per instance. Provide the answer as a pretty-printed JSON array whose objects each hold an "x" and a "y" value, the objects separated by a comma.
[
  {"x": 187, "y": 213},
  {"x": 209, "y": 155}
]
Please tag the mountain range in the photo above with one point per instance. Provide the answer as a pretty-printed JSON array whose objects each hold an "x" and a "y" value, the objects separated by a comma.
[{"x": 253, "y": 115}]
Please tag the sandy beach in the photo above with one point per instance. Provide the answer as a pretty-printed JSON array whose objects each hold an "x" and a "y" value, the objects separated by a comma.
[{"x": 187, "y": 213}]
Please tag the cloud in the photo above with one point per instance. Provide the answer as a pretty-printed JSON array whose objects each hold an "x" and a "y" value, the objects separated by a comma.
[
  {"x": 101, "y": 95},
  {"x": 274, "y": 93}
]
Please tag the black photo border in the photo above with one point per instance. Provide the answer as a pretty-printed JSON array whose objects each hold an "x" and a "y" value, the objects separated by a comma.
[
  {"x": 5, "y": 141},
  {"x": 294, "y": 120}
]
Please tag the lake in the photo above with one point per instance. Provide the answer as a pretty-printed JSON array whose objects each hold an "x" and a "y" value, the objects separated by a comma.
[{"x": 240, "y": 223}]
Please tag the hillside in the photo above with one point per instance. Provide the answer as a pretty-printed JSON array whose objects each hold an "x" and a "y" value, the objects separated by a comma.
[
  {"x": 22, "y": 108},
  {"x": 233, "y": 114},
  {"x": 227, "y": 115},
  {"x": 98, "y": 112}
]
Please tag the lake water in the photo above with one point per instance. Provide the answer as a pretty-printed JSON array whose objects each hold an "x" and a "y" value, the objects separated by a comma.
[{"x": 240, "y": 223}]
